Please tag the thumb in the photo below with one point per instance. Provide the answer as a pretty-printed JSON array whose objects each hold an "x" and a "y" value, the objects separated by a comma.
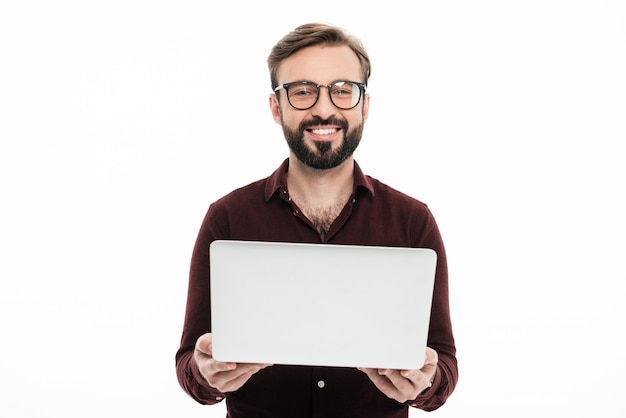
[
  {"x": 204, "y": 344},
  {"x": 430, "y": 358}
]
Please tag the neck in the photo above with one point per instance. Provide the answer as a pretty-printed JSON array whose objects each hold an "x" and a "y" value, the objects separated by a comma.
[{"x": 319, "y": 187}]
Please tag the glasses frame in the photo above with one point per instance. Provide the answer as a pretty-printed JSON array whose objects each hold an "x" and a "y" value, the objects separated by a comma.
[{"x": 362, "y": 87}]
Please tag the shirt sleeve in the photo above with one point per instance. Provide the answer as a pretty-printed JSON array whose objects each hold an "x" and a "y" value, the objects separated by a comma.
[
  {"x": 193, "y": 383},
  {"x": 198, "y": 314},
  {"x": 440, "y": 337}
]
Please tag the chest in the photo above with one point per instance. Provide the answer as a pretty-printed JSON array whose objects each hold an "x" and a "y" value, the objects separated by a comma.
[{"x": 322, "y": 217}]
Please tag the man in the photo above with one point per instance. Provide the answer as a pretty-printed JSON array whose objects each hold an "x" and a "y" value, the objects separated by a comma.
[{"x": 318, "y": 195}]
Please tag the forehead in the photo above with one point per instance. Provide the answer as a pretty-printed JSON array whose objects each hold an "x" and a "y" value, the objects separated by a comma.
[{"x": 321, "y": 64}]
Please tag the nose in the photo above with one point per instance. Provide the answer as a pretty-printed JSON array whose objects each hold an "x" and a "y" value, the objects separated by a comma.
[{"x": 324, "y": 107}]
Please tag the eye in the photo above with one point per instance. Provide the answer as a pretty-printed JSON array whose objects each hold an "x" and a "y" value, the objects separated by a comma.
[
  {"x": 302, "y": 90},
  {"x": 342, "y": 89}
]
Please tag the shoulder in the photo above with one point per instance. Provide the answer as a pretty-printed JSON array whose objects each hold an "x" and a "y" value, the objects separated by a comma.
[
  {"x": 258, "y": 192},
  {"x": 407, "y": 220},
  {"x": 383, "y": 192},
  {"x": 239, "y": 207},
  {"x": 250, "y": 194}
]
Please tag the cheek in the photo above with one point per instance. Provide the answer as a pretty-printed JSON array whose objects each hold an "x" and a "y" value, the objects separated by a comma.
[
  {"x": 289, "y": 119},
  {"x": 356, "y": 120}
]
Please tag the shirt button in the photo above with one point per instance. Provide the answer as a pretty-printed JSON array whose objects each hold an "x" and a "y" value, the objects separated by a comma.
[{"x": 321, "y": 384}]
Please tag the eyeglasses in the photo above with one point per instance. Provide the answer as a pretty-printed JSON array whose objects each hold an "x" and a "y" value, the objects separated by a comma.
[{"x": 303, "y": 95}]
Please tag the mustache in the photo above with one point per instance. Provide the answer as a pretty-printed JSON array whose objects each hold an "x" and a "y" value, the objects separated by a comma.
[{"x": 318, "y": 121}]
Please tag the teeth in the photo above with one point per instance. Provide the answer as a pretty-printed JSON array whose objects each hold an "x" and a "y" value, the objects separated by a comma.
[{"x": 324, "y": 131}]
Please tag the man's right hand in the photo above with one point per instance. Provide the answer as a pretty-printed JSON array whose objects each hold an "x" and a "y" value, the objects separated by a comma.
[{"x": 225, "y": 377}]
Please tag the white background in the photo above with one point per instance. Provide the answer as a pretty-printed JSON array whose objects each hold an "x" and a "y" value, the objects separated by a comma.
[{"x": 121, "y": 121}]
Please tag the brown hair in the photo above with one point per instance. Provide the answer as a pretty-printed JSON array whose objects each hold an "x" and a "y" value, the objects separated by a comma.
[{"x": 312, "y": 34}]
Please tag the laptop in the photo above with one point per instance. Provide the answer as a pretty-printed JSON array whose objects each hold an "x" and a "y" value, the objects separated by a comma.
[{"x": 320, "y": 304}]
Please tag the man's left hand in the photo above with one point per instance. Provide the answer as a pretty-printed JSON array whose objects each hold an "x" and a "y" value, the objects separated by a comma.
[{"x": 405, "y": 385}]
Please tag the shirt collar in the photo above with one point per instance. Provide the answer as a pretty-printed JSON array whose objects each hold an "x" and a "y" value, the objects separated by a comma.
[{"x": 278, "y": 180}]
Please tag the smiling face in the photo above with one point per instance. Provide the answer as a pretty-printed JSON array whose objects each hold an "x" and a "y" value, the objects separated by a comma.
[{"x": 323, "y": 136}]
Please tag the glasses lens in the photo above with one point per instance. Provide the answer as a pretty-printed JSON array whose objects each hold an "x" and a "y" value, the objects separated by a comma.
[
  {"x": 302, "y": 95},
  {"x": 345, "y": 94}
]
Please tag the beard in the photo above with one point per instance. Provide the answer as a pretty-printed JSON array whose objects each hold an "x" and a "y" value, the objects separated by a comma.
[{"x": 323, "y": 157}]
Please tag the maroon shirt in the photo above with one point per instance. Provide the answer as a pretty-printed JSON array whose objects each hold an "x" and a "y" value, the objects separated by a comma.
[{"x": 375, "y": 215}]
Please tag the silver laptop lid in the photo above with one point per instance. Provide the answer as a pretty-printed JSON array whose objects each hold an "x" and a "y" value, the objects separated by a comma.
[{"x": 320, "y": 304}]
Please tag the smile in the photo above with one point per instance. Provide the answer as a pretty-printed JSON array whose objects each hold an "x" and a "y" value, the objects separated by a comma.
[{"x": 327, "y": 131}]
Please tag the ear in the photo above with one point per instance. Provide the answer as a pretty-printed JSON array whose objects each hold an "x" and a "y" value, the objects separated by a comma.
[
  {"x": 366, "y": 106},
  {"x": 275, "y": 109}
]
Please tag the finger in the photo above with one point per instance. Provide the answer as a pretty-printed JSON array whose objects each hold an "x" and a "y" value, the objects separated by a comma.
[
  {"x": 419, "y": 378},
  {"x": 236, "y": 381},
  {"x": 204, "y": 344},
  {"x": 220, "y": 366},
  {"x": 409, "y": 374},
  {"x": 398, "y": 380},
  {"x": 408, "y": 383},
  {"x": 368, "y": 371},
  {"x": 231, "y": 380}
]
